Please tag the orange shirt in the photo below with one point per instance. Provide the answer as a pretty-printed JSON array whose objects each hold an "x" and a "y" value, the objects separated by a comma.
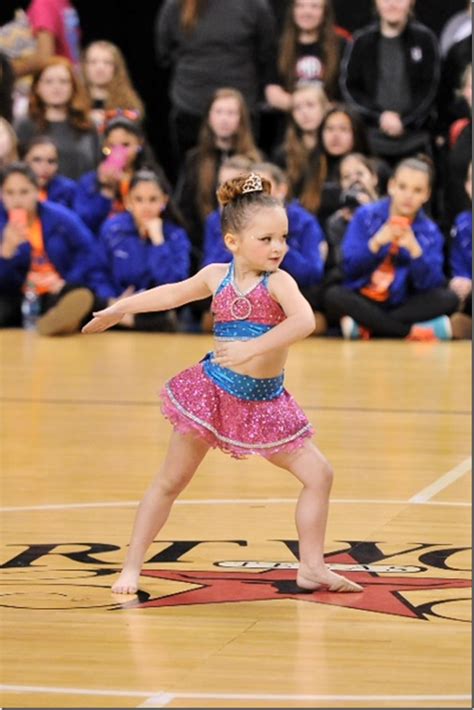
[
  {"x": 118, "y": 204},
  {"x": 41, "y": 269},
  {"x": 382, "y": 278}
]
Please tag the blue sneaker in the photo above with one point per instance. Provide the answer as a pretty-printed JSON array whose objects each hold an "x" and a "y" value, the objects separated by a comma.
[
  {"x": 441, "y": 327},
  {"x": 350, "y": 329}
]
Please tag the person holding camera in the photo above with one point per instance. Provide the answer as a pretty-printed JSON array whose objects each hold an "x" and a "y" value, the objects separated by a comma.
[
  {"x": 392, "y": 259},
  {"x": 359, "y": 181}
]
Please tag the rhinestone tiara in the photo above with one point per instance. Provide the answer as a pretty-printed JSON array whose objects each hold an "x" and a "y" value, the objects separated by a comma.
[{"x": 252, "y": 184}]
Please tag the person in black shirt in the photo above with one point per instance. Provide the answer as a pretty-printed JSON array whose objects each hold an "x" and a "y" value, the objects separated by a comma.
[
  {"x": 390, "y": 75},
  {"x": 311, "y": 49},
  {"x": 210, "y": 44}
]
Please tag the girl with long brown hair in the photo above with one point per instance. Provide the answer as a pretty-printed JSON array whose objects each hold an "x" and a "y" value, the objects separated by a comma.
[
  {"x": 225, "y": 131},
  {"x": 108, "y": 82},
  {"x": 59, "y": 108},
  {"x": 340, "y": 133},
  {"x": 309, "y": 106},
  {"x": 311, "y": 48}
]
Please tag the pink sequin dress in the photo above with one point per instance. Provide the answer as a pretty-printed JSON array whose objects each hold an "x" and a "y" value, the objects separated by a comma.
[{"x": 239, "y": 414}]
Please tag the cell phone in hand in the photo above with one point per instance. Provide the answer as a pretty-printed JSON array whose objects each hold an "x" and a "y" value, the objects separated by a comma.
[
  {"x": 117, "y": 158},
  {"x": 18, "y": 216},
  {"x": 399, "y": 221}
]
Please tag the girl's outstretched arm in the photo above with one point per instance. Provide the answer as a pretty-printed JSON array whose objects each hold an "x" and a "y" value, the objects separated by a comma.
[
  {"x": 298, "y": 325},
  {"x": 161, "y": 298}
]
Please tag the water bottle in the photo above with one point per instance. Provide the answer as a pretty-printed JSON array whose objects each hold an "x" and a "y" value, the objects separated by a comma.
[{"x": 30, "y": 307}]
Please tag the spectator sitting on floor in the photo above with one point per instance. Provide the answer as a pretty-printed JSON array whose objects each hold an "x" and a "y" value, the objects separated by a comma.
[
  {"x": 101, "y": 193},
  {"x": 146, "y": 246},
  {"x": 359, "y": 184},
  {"x": 45, "y": 249},
  {"x": 394, "y": 284},
  {"x": 460, "y": 253},
  {"x": 43, "y": 158}
]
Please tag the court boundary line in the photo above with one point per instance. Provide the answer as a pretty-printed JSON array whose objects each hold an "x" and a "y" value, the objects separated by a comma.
[
  {"x": 164, "y": 696},
  {"x": 228, "y": 501},
  {"x": 442, "y": 482}
]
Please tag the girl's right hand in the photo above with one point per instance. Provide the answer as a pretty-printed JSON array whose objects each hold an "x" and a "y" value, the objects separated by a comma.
[
  {"x": 103, "y": 320},
  {"x": 381, "y": 238},
  {"x": 109, "y": 176}
]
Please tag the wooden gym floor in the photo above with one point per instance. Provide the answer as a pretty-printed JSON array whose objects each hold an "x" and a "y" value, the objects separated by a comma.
[{"x": 218, "y": 621}]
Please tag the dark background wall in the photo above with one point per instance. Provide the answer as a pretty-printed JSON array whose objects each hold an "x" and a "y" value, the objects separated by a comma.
[{"x": 131, "y": 26}]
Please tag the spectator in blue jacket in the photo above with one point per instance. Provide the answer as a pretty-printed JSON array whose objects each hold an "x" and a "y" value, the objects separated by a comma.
[
  {"x": 43, "y": 158},
  {"x": 394, "y": 285},
  {"x": 145, "y": 246},
  {"x": 306, "y": 242},
  {"x": 461, "y": 268},
  {"x": 102, "y": 192},
  {"x": 47, "y": 249}
]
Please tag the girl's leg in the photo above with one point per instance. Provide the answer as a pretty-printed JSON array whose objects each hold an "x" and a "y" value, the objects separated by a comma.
[
  {"x": 341, "y": 301},
  {"x": 315, "y": 473},
  {"x": 184, "y": 455},
  {"x": 425, "y": 306}
]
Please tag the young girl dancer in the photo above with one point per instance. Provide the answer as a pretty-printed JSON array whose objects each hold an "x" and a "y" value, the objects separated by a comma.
[{"x": 234, "y": 398}]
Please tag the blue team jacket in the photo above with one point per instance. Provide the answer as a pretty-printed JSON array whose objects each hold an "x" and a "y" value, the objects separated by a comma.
[
  {"x": 92, "y": 207},
  {"x": 461, "y": 246},
  {"x": 412, "y": 275},
  {"x": 70, "y": 247},
  {"x": 137, "y": 262},
  {"x": 303, "y": 260},
  {"x": 62, "y": 191}
]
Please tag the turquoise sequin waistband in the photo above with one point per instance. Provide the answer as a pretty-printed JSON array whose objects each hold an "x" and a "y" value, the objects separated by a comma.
[
  {"x": 239, "y": 330},
  {"x": 243, "y": 386}
]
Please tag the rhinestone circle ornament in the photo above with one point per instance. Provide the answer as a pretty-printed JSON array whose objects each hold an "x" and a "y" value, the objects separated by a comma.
[{"x": 241, "y": 308}]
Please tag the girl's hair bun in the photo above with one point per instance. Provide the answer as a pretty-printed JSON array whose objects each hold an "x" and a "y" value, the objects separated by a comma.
[{"x": 245, "y": 185}]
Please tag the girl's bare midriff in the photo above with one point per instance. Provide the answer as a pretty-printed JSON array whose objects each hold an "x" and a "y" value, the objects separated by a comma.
[{"x": 261, "y": 366}]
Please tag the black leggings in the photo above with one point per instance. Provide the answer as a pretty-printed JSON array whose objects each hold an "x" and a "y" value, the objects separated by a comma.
[
  {"x": 395, "y": 322},
  {"x": 10, "y": 305}
]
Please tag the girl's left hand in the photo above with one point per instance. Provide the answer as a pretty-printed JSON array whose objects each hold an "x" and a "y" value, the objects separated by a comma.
[
  {"x": 407, "y": 239},
  {"x": 233, "y": 353},
  {"x": 103, "y": 320}
]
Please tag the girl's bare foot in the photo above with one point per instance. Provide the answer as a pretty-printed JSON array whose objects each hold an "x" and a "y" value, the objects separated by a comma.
[
  {"x": 324, "y": 580},
  {"x": 127, "y": 583}
]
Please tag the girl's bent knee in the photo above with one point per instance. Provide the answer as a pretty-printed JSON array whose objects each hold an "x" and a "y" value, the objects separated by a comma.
[{"x": 327, "y": 473}]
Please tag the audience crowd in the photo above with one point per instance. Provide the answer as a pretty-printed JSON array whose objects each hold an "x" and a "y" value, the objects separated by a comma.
[{"x": 365, "y": 138}]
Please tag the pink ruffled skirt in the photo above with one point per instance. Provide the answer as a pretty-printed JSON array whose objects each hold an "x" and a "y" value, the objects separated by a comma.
[{"x": 196, "y": 404}]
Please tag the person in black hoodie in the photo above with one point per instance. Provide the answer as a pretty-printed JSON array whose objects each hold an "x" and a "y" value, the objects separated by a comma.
[{"x": 390, "y": 75}]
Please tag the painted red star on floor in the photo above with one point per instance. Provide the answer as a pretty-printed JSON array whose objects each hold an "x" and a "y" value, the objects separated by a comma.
[{"x": 381, "y": 594}]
